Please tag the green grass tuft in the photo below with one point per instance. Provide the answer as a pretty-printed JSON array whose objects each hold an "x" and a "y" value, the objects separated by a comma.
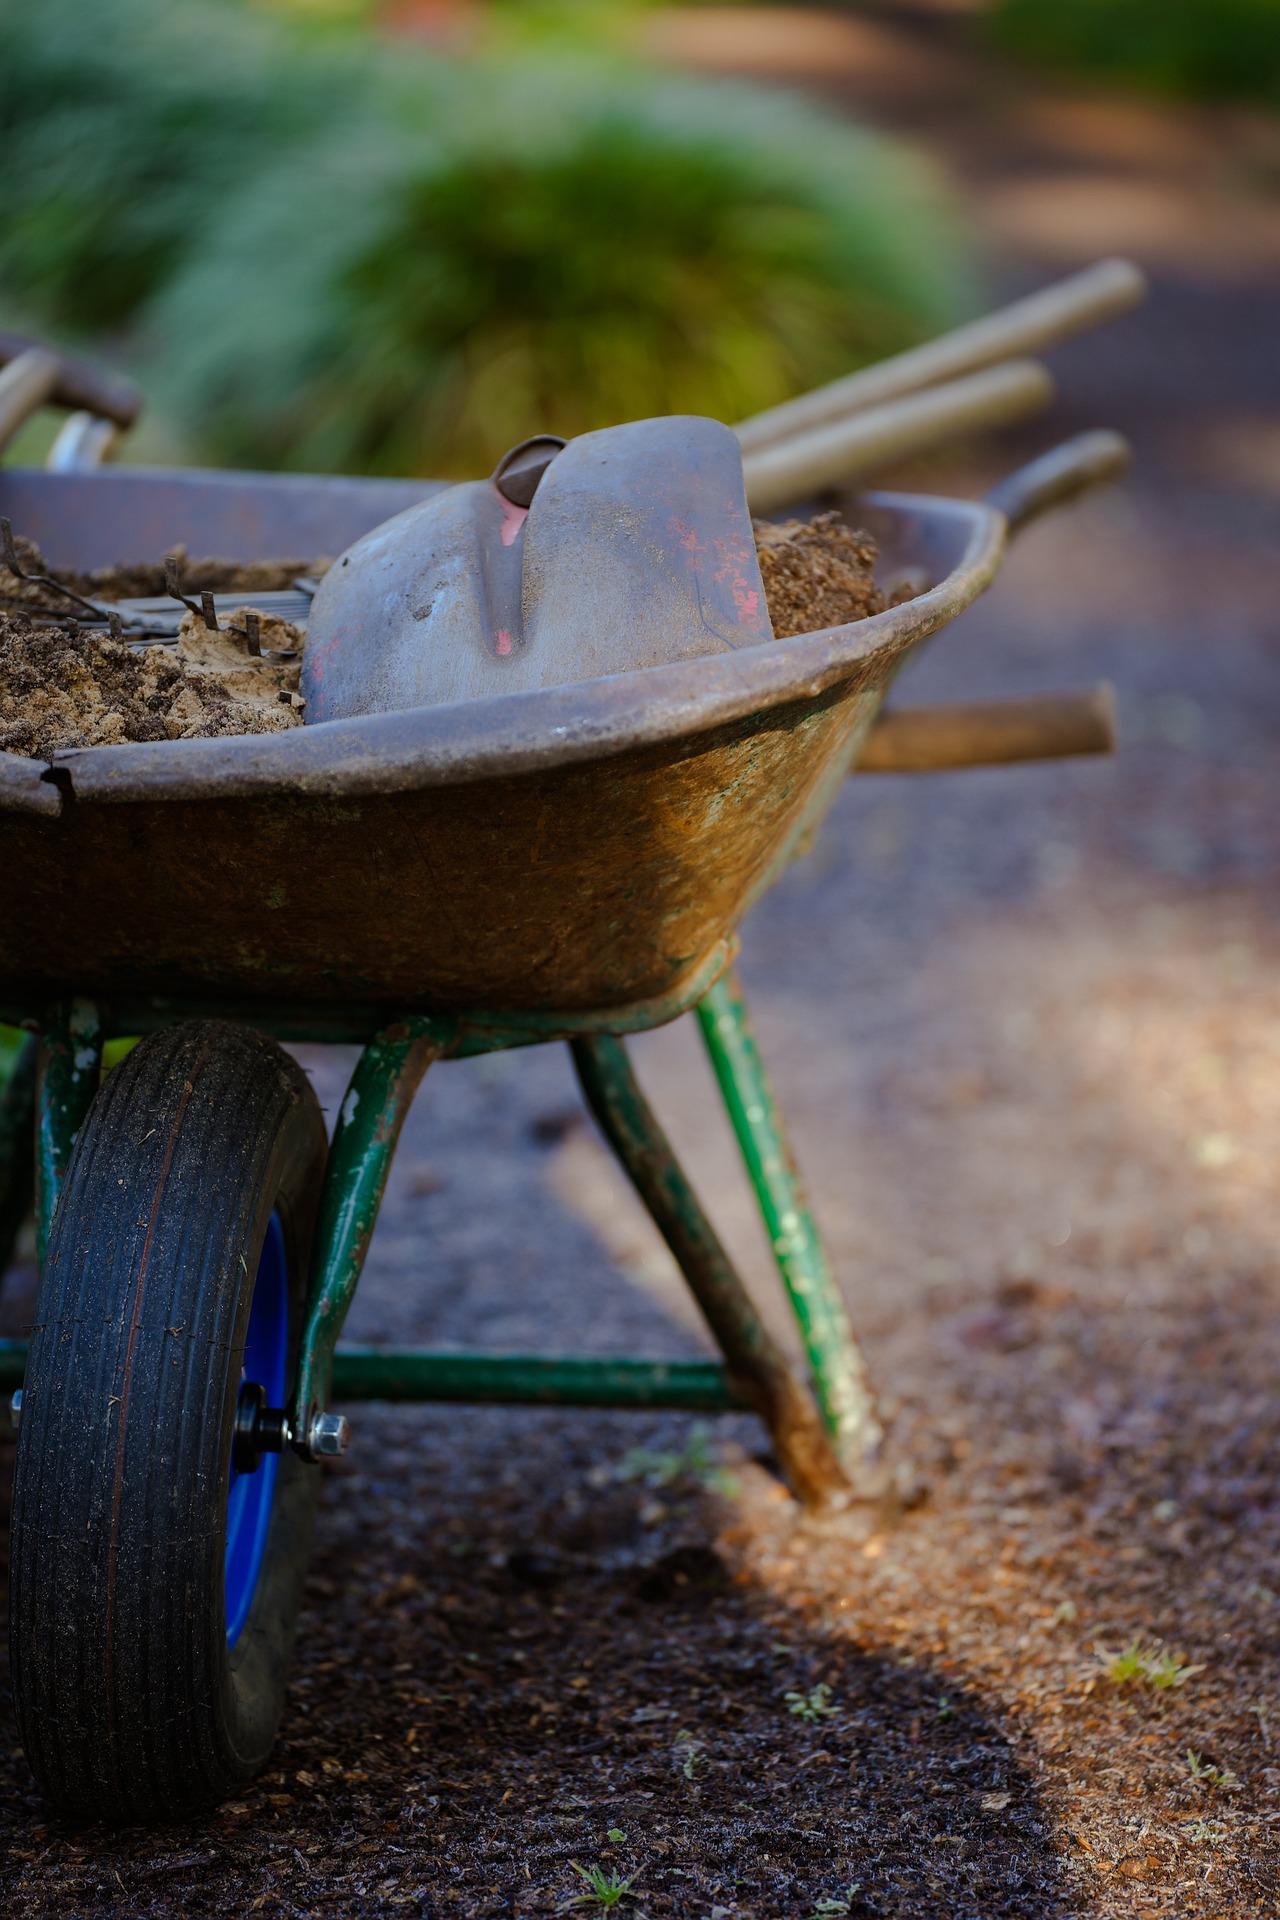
[
  {"x": 1147, "y": 1667},
  {"x": 602, "y": 1890}
]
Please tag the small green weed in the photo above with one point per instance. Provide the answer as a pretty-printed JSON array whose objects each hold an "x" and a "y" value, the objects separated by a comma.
[
  {"x": 602, "y": 1890},
  {"x": 1220, "y": 1777},
  {"x": 945, "y": 1708},
  {"x": 695, "y": 1461},
  {"x": 814, "y": 1705},
  {"x": 616, "y": 1835},
  {"x": 1148, "y": 1667},
  {"x": 835, "y": 1904},
  {"x": 690, "y": 1755},
  {"x": 1205, "y": 1833}
]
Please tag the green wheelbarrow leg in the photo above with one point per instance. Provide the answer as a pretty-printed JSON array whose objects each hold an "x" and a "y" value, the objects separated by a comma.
[
  {"x": 839, "y": 1371},
  {"x": 373, "y": 1110},
  {"x": 70, "y": 1064},
  {"x": 758, "y": 1370},
  {"x": 17, "y": 1147}
]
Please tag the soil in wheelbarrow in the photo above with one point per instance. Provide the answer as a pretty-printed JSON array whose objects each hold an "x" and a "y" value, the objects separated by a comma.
[
  {"x": 68, "y": 687},
  {"x": 148, "y": 579},
  {"x": 64, "y": 688},
  {"x": 818, "y": 573}
]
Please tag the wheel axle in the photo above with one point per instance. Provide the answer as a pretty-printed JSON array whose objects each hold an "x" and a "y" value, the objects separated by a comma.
[{"x": 259, "y": 1428}]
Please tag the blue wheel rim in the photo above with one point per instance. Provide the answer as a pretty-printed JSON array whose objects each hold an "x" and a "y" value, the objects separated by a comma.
[{"x": 266, "y": 1360}]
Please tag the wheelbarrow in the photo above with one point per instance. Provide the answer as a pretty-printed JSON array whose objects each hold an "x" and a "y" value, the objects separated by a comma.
[{"x": 569, "y": 863}]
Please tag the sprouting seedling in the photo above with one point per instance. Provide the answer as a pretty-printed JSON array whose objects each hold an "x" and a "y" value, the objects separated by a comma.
[
  {"x": 1201, "y": 1769},
  {"x": 602, "y": 1890},
  {"x": 945, "y": 1708},
  {"x": 696, "y": 1460},
  {"x": 690, "y": 1754},
  {"x": 1148, "y": 1667},
  {"x": 814, "y": 1705},
  {"x": 1205, "y": 1833}
]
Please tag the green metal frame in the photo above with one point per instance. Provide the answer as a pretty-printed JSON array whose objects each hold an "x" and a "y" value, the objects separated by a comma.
[
  {"x": 17, "y": 1146},
  {"x": 69, "y": 1067},
  {"x": 839, "y": 1372},
  {"x": 819, "y": 1440}
]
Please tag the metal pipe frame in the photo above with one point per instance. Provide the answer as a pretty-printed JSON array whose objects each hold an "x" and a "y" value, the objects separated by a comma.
[
  {"x": 757, "y": 1368},
  {"x": 839, "y": 1371},
  {"x": 68, "y": 1069},
  {"x": 17, "y": 1146},
  {"x": 374, "y": 1109},
  {"x": 405, "y": 1374},
  {"x": 815, "y": 1441}
]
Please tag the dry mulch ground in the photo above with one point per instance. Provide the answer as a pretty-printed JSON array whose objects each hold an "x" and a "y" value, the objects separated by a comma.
[{"x": 1027, "y": 1026}]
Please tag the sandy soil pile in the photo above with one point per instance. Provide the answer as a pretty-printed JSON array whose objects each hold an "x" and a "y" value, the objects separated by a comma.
[
  {"x": 70, "y": 688},
  {"x": 817, "y": 573}
]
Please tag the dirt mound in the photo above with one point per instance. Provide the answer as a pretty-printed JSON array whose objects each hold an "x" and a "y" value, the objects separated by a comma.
[
  {"x": 817, "y": 573},
  {"x": 64, "y": 687}
]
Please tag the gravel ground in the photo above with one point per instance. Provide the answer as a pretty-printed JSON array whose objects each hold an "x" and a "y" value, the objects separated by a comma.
[{"x": 1027, "y": 1028}]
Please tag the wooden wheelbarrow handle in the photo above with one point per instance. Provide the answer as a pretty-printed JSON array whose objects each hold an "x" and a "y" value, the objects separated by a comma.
[
  {"x": 25, "y": 385},
  {"x": 79, "y": 384},
  {"x": 991, "y": 733}
]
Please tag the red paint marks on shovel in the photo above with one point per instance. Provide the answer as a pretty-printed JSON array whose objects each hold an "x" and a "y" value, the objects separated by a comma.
[{"x": 513, "y": 518}]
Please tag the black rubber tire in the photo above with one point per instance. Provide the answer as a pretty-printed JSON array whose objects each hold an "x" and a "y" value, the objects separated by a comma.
[{"x": 130, "y": 1705}]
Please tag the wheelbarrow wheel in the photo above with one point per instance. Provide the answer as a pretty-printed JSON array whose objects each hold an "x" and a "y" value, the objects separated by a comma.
[{"x": 157, "y": 1551}]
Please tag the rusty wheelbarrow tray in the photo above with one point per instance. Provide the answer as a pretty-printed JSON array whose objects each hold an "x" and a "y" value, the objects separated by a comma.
[
  {"x": 575, "y": 850},
  {"x": 561, "y": 864},
  {"x": 568, "y": 863}
]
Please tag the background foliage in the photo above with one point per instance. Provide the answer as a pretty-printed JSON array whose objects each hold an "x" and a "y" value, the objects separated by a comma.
[
  {"x": 1226, "y": 49},
  {"x": 328, "y": 251}
]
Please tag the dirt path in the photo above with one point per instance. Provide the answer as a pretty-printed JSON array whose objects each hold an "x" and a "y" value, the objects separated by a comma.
[{"x": 1027, "y": 1026}]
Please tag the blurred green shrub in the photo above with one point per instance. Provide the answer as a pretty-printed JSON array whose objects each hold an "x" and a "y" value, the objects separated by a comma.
[
  {"x": 341, "y": 254},
  {"x": 548, "y": 247},
  {"x": 1228, "y": 49},
  {"x": 125, "y": 124}
]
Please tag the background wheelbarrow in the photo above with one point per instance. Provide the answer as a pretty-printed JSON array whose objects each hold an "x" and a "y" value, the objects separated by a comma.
[{"x": 569, "y": 863}]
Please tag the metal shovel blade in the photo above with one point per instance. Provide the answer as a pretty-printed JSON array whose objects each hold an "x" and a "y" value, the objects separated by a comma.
[{"x": 635, "y": 550}]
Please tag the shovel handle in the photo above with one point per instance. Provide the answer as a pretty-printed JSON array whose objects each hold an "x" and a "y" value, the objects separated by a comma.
[
  {"x": 846, "y": 451},
  {"x": 1085, "y": 299},
  {"x": 1085, "y": 461}
]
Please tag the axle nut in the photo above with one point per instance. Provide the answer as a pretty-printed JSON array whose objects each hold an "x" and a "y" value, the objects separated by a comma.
[{"x": 330, "y": 1434}]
